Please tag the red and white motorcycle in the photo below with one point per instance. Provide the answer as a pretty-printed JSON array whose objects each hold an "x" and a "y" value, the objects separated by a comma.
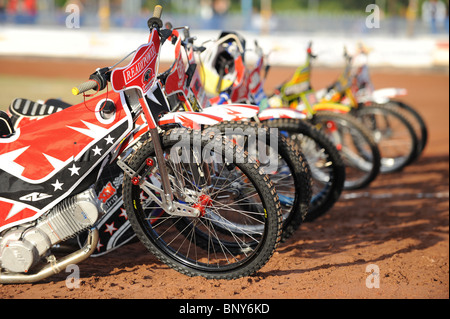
[
  {"x": 186, "y": 199},
  {"x": 287, "y": 166}
]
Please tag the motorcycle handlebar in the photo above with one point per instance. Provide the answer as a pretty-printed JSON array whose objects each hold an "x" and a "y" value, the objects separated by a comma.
[
  {"x": 157, "y": 12},
  {"x": 156, "y": 19},
  {"x": 84, "y": 87},
  {"x": 98, "y": 80},
  {"x": 309, "y": 50}
]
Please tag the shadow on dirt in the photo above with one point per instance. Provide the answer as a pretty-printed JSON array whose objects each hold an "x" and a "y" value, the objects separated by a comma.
[{"x": 410, "y": 208}]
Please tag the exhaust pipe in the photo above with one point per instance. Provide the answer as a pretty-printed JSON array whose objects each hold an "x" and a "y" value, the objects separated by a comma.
[{"x": 57, "y": 266}]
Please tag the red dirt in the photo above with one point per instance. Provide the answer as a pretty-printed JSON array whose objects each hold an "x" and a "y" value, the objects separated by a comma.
[{"x": 400, "y": 223}]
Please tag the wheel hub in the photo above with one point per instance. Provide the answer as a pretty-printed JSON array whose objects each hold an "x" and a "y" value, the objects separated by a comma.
[{"x": 204, "y": 201}]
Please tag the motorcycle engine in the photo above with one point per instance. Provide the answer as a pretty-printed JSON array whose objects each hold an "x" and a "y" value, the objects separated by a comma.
[{"x": 22, "y": 247}]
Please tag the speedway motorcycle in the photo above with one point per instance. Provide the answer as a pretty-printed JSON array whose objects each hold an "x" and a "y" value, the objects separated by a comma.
[
  {"x": 183, "y": 207},
  {"x": 390, "y": 125},
  {"x": 355, "y": 142},
  {"x": 228, "y": 79},
  {"x": 365, "y": 93},
  {"x": 185, "y": 92}
]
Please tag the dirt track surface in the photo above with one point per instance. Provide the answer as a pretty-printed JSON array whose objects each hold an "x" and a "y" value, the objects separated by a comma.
[{"x": 400, "y": 224}]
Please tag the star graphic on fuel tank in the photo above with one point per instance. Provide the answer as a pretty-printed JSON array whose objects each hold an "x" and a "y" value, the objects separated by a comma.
[
  {"x": 97, "y": 150},
  {"x": 74, "y": 170},
  {"x": 123, "y": 213},
  {"x": 57, "y": 185},
  {"x": 99, "y": 245},
  {"x": 109, "y": 140}
]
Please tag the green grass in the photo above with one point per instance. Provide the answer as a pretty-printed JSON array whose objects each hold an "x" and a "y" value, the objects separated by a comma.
[{"x": 35, "y": 88}]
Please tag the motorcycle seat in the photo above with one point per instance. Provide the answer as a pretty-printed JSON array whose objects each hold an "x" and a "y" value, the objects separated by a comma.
[
  {"x": 6, "y": 127},
  {"x": 27, "y": 108}
]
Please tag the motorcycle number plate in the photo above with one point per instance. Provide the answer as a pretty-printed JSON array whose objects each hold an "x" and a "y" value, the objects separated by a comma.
[{"x": 141, "y": 72}]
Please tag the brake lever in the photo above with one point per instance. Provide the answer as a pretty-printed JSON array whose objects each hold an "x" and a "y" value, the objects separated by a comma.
[
  {"x": 164, "y": 34},
  {"x": 199, "y": 49},
  {"x": 102, "y": 77}
]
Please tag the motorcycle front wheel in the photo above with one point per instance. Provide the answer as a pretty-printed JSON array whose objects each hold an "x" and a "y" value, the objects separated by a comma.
[
  {"x": 286, "y": 166},
  {"x": 415, "y": 119},
  {"x": 355, "y": 144},
  {"x": 240, "y": 220},
  {"x": 393, "y": 134},
  {"x": 326, "y": 165}
]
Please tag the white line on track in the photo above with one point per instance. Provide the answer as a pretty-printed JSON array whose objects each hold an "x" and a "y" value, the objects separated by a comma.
[{"x": 378, "y": 196}]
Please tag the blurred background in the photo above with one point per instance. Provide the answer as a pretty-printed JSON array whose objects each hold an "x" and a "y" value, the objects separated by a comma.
[
  {"x": 405, "y": 33},
  {"x": 36, "y": 34},
  {"x": 399, "y": 17}
]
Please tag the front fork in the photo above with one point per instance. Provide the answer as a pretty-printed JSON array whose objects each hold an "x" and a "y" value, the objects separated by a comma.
[
  {"x": 165, "y": 181},
  {"x": 138, "y": 178},
  {"x": 167, "y": 199},
  {"x": 167, "y": 196}
]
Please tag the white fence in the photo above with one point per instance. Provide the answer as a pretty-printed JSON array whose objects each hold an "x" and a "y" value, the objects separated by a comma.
[{"x": 286, "y": 49}]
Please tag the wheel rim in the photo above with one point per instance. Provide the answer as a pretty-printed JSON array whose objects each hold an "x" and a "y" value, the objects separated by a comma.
[
  {"x": 227, "y": 235},
  {"x": 356, "y": 152},
  {"x": 395, "y": 139}
]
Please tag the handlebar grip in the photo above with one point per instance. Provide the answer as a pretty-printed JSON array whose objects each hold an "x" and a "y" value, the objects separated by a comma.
[
  {"x": 156, "y": 19},
  {"x": 157, "y": 12},
  {"x": 83, "y": 87}
]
